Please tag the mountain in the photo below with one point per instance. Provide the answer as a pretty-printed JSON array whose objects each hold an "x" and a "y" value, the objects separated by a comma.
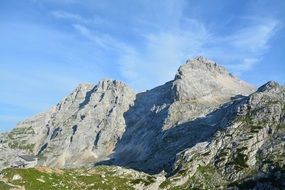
[
  {"x": 248, "y": 151},
  {"x": 205, "y": 129}
]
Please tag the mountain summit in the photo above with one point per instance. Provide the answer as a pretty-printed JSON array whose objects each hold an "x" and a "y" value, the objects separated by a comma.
[
  {"x": 204, "y": 117},
  {"x": 201, "y": 78}
]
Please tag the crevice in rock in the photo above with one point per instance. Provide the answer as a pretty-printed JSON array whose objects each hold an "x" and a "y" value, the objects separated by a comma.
[
  {"x": 87, "y": 98},
  {"x": 43, "y": 148},
  {"x": 110, "y": 111},
  {"x": 74, "y": 129},
  {"x": 116, "y": 100},
  {"x": 97, "y": 139},
  {"x": 101, "y": 97},
  {"x": 55, "y": 133},
  {"x": 48, "y": 130}
]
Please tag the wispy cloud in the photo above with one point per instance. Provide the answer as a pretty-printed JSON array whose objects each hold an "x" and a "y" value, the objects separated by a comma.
[
  {"x": 165, "y": 44},
  {"x": 255, "y": 37},
  {"x": 87, "y": 33},
  {"x": 163, "y": 52},
  {"x": 67, "y": 15},
  {"x": 246, "y": 47},
  {"x": 245, "y": 65},
  {"x": 64, "y": 15}
]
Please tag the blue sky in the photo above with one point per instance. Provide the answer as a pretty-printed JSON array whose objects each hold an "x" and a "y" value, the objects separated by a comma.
[{"x": 48, "y": 47}]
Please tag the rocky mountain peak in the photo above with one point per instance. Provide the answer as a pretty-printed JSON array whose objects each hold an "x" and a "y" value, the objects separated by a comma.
[
  {"x": 83, "y": 86},
  {"x": 200, "y": 78},
  {"x": 106, "y": 84},
  {"x": 85, "y": 91},
  {"x": 103, "y": 84},
  {"x": 200, "y": 64}
]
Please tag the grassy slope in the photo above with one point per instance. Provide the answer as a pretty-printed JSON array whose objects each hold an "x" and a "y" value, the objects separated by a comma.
[
  {"x": 98, "y": 178},
  {"x": 4, "y": 186}
]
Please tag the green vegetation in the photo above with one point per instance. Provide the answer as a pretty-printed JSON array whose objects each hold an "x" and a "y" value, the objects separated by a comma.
[
  {"x": 149, "y": 180},
  {"x": 4, "y": 186},
  {"x": 241, "y": 149},
  {"x": 34, "y": 179},
  {"x": 16, "y": 138},
  {"x": 206, "y": 177},
  {"x": 20, "y": 131},
  {"x": 255, "y": 129},
  {"x": 240, "y": 161},
  {"x": 182, "y": 172},
  {"x": 101, "y": 177},
  {"x": 207, "y": 171},
  {"x": 221, "y": 156},
  {"x": 272, "y": 180},
  {"x": 101, "y": 182},
  {"x": 246, "y": 119},
  {"x": 281, "y": 126},
  {"x": 41, "y": 157},
  {"x": 165, "y": 184},
  {"x": 21, "y": 145},
  {"x": 206, "y": 153}
]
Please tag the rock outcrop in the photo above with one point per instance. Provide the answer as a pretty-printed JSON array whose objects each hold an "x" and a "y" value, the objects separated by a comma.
[
  {"x": 176, "y": 115},
  {"x": 80, "y": 130},
  {"x": 248, "y": 151}
]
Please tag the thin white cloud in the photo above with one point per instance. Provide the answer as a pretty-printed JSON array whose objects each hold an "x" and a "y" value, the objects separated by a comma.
[
  {"x": 67, "y": 15},
  {"x": 245, "y": 65},
  {"x": 79, "y": 19},
  {"x": 246, "y": 47},
  {"x": 165, "y": 44},
  {"x": 87, "y": 33},
  {"x": 163, "y": 52},
  {"x": 56, "y": 1},
  {"x": 254, "y": 38}
]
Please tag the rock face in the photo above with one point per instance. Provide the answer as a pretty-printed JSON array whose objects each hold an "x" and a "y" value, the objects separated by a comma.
[
  {"x": 204, "y": 80},
  {"x": 203, "y": 121},
  {"x": 80, "y": 130},
  {"x": 248, "y": 151},
  {"x": 174, "y": 116}
]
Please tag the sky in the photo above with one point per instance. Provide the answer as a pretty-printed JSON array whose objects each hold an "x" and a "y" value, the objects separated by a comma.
[{"x": 48, "y": 47}]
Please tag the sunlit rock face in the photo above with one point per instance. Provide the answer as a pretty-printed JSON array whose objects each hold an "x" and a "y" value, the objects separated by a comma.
[
  {"x": 81, "y": 129},
  {"x": 204, "y": 80}
]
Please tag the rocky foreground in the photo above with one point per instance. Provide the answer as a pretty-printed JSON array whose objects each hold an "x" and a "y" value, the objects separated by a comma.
[{"x": 205, "y": 129}]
